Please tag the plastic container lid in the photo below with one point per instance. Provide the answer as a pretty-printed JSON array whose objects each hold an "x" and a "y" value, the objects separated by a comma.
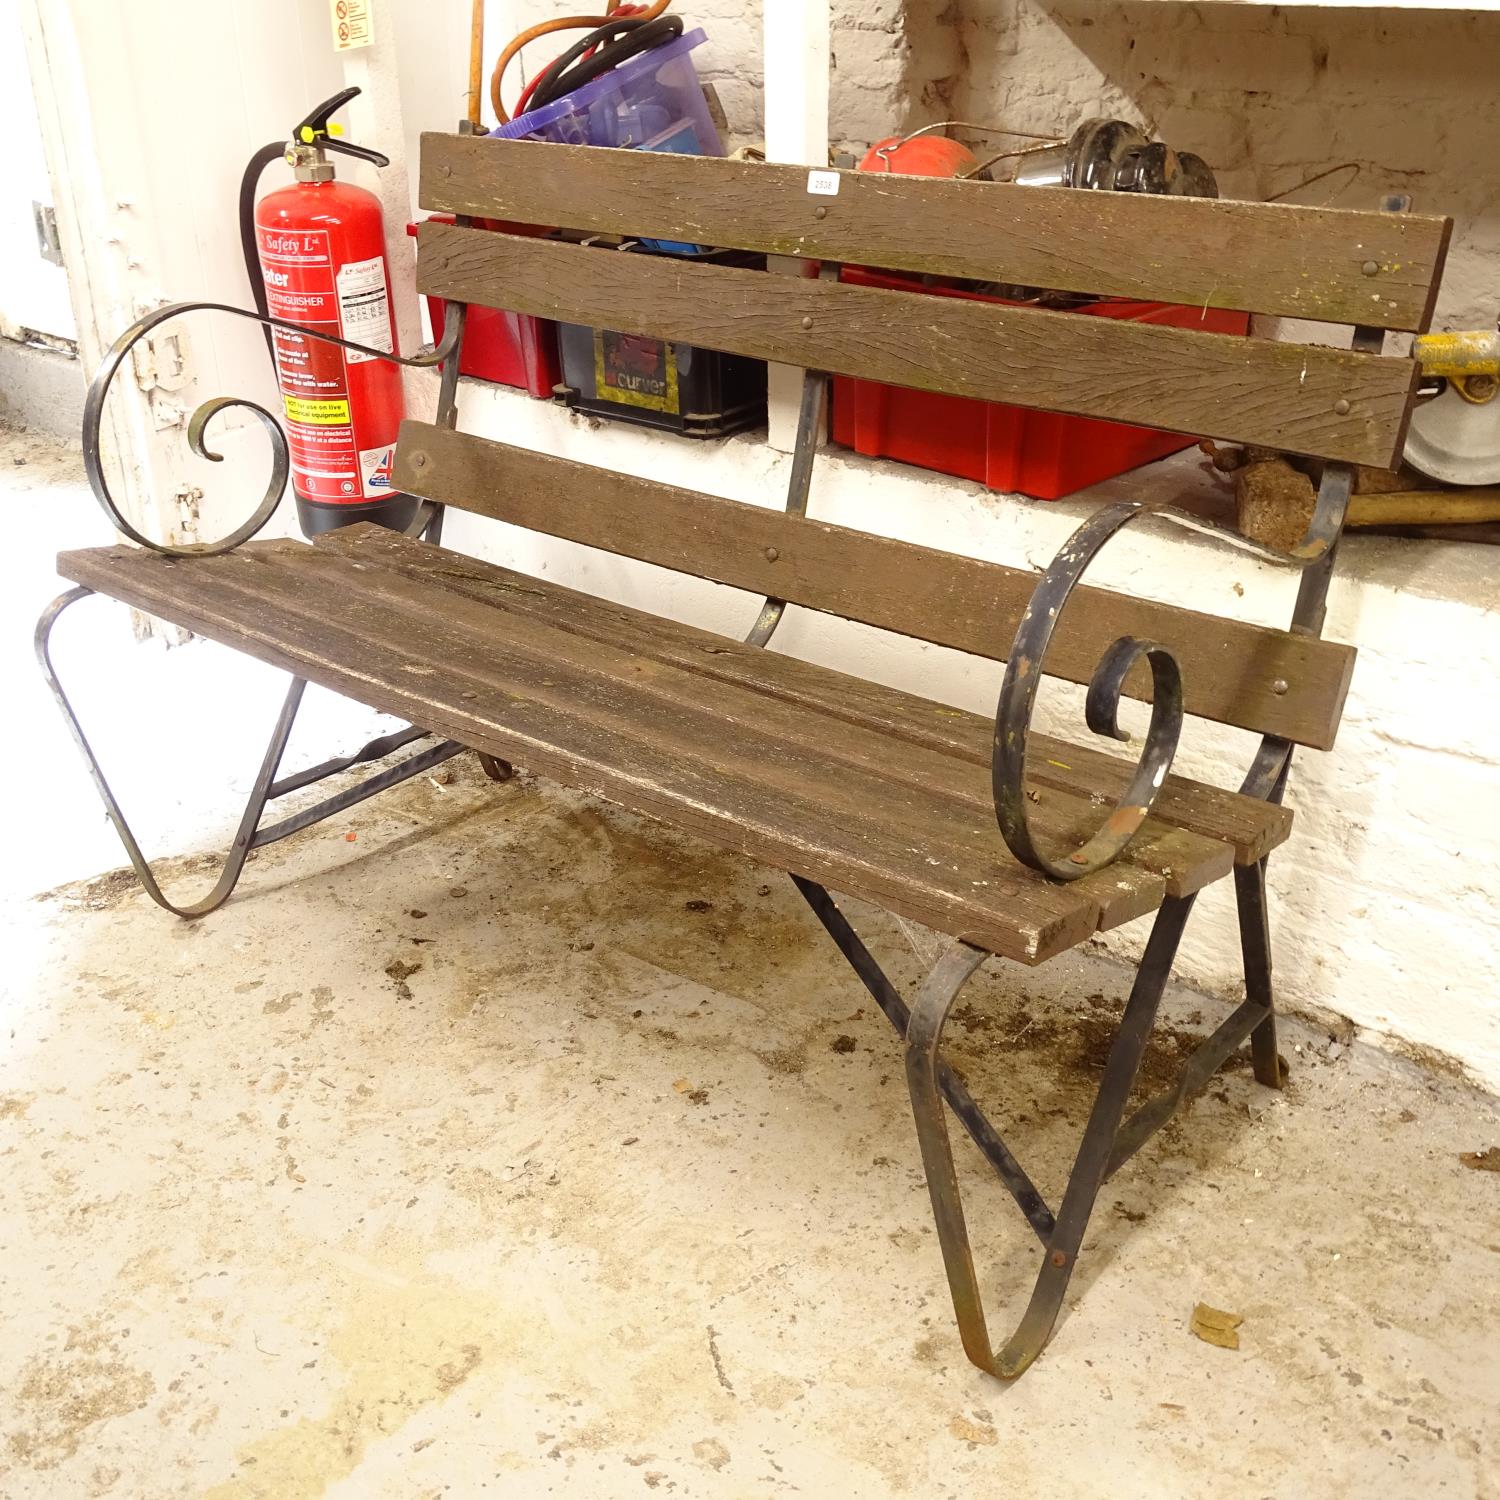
[{"x": 538, "y": 121}]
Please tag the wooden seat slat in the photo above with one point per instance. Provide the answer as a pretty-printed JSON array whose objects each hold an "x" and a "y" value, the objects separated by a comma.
[
  {"x": 858, "y": 757},
  {"x": 914, "y": 855},
  {"x": 1270, "y": 681},
  {"x": 1252, "y": 827},
  {"x": 1290, "y": 260}
]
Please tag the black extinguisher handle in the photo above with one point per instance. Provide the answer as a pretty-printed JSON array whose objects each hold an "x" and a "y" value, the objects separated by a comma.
[
  {"x": 359, "y": 153},
  {"x": 317, "y": 129}
]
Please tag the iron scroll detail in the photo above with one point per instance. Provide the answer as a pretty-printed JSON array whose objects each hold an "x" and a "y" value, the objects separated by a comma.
[
  {"x": 98, "y": 392},
  {"x": 1023, "y": 676}
]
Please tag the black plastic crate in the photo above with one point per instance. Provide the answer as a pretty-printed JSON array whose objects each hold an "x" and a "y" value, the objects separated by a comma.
[{"x": 628, "y": 377}]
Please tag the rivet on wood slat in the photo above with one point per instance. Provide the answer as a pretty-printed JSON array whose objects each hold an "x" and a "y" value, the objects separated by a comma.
[
  {"x": 1370, "y": 267},
  {"x": 807, "y": 322},
  {"x": 1279, "y": 687},
  {"x": 772, "y": 554},
  {"x": 820, "y": 212},
  {"x": 1341, "y": 407},
  {"x": 419, "y": 460}
]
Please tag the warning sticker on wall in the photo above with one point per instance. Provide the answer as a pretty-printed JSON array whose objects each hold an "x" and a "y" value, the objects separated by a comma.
[{"x": 353, "y": 25}]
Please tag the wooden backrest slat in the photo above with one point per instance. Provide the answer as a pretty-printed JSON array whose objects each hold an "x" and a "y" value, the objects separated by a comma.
[
  {"x": 1269, "y": 681},
  {"x": 1326, "y": 402},
  {"x": 1332, "y": 265}
]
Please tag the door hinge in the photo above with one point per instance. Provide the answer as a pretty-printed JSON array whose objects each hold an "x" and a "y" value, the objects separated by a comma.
[
  {"x": 49, "y": 247},
  {"x": 162, "y": 362}
]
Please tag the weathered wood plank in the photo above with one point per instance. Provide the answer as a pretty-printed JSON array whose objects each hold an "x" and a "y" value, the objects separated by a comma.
[
  {"x": 1258, "y": 257},
  {"x": 1231, "y": 670},
  {"x": 845, "y": 762},
  {"x": 825, "y": 700},
  {"x": 1330, "y": 403},
  {"x": 458, "y": 688}
]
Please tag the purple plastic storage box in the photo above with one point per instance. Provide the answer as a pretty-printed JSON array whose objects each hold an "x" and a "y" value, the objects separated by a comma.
[{"x": 651, "y": 102}]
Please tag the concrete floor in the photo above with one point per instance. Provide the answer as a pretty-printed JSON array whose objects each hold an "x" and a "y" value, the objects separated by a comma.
[{"x": 492, "y": 1141}]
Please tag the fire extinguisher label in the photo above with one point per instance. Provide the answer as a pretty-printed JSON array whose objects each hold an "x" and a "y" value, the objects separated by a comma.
[
  {"x": 342, "y": 408},
  {"x": 375, "y": 469},
  {"x": 317, "y": 413},
  {"x": 364, "y": 310}
]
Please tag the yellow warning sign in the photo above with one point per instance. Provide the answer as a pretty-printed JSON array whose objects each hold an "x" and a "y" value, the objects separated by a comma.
[
  {"x": 316, "y": 413},
  {"x": 353, "y": 25}
]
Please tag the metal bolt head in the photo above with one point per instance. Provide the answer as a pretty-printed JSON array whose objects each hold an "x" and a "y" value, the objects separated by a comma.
[
  {"x": 1370, "y": 268},
  {"x": 771, "y": 554},
  {"x": 820, "y": 212},
  {"x": 1341, "y": 407},
  {"x": 1059, "y": 1258},
  {"x": 1279, "y": 687},
  {"x": 807, "y": 322},
  {"x": 419, "y": 460}
]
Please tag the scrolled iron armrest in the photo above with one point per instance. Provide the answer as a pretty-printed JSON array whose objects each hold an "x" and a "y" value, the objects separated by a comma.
[
  {"x": 1023, "y": 676},
  {"x": 93, "y": 413}
]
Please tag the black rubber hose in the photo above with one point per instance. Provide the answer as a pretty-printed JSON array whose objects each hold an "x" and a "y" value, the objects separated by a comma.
[
  {"x": 606, "y": 35},
  {"x": 617, "y": 42},
  {"x": 249, "y": 184}
]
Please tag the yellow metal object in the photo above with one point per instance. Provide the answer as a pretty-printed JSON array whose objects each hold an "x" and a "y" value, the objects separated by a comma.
[{"x": 1458, "y": 355}]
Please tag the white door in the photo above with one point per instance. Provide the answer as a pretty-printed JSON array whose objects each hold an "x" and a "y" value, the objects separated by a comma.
[{"x": 33, "y": 286}]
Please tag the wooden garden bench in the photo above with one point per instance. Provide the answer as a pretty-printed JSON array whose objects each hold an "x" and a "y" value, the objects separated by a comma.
[{"x": 845, "y": 784}]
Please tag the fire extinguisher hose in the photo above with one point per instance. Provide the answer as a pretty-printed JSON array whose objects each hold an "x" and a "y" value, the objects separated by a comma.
[{"x": 249, "y": 185}]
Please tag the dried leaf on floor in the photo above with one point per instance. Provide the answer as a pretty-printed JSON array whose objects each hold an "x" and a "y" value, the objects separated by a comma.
[
  {"x": 1482, "y": 1161},
  {"x": 1216, "y": 1327},
  {"x": 973, "y": 1432}
]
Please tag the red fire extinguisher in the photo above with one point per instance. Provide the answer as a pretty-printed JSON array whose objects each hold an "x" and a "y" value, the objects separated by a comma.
[{"x": 319, "y": 261}]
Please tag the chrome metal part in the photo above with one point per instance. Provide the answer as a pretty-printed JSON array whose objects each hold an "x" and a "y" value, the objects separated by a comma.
[{"x": 1455, "y": 440}]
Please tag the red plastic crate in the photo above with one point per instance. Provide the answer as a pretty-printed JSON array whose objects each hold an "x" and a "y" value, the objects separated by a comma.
[
  {"x": 503, "y": 347},
  {"x": 1014, "y": 448}
]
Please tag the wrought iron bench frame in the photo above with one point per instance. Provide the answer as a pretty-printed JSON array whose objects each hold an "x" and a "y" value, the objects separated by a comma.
[{"x": 1110, "y": 1137}]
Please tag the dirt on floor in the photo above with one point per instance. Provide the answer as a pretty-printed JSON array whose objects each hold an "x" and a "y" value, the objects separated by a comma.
[{"x": 493, "y": 1141}]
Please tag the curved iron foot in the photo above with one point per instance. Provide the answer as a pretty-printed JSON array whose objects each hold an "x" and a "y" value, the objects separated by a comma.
[
  {"x": 924, "y": 1035},
  {"x": 495, "y": 768},
  {"x": 1093, "y": 1164},
  {"x": 244, "y": 837},
  {"x": 1255, "y": 950}
]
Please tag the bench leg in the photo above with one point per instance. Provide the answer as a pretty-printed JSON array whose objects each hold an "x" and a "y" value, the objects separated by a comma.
[
  {"x": 1255, "y": 947},
  {"x": 250, "y": 834},
  {"x": 495, "y": 768},
  {"x": 1097, "y": 1157}
]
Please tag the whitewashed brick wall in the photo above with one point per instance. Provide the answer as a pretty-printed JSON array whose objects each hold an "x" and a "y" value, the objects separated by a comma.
[{"x": 1267, "y": 95}]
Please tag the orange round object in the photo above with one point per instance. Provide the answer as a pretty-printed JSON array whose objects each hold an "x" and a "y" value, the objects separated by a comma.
[{"x": 921, "y": 156}]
